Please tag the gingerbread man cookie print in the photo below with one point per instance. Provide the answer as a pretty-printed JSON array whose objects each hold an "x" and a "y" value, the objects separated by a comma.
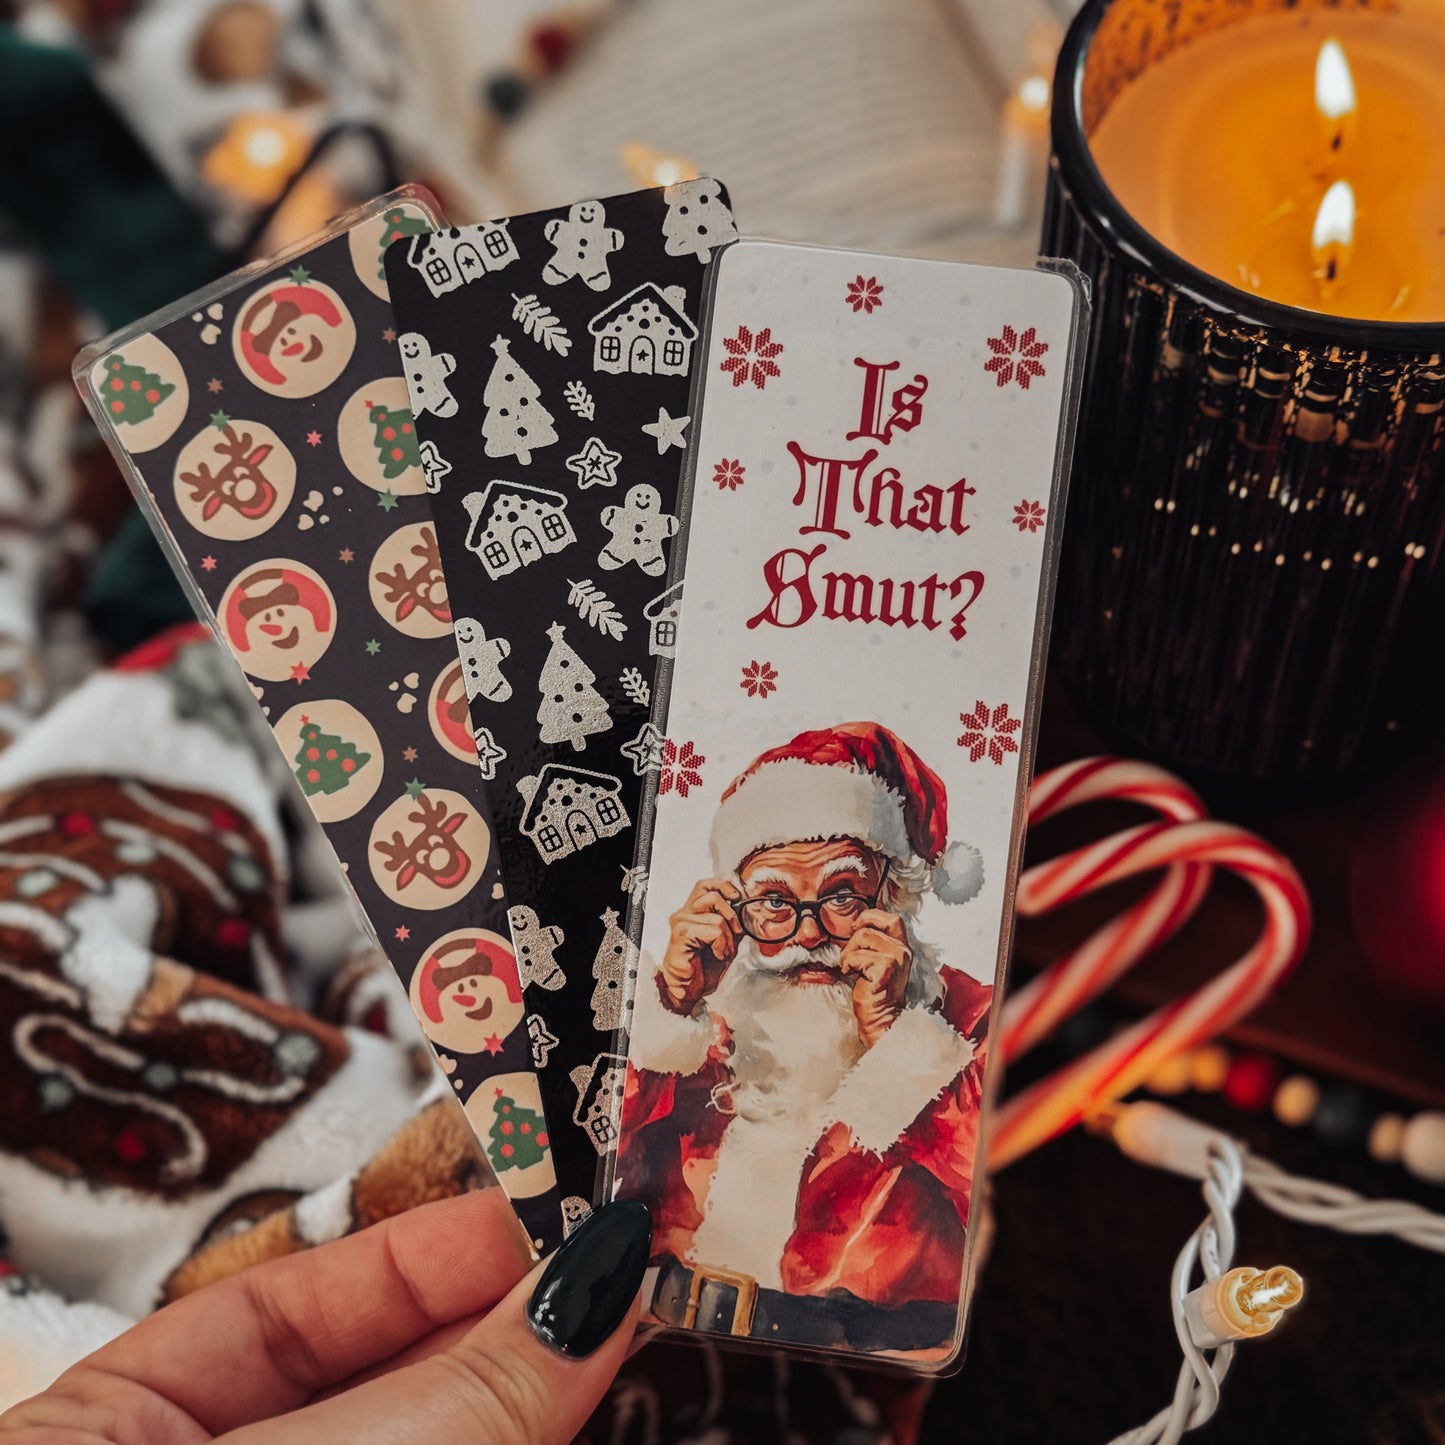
[
  {"x": 639, "y": 527},
  {"x": 583, "y": 243}
]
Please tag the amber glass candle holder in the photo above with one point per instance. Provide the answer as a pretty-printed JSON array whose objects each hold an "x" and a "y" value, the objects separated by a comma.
[{"x": 1251, "y": 583}]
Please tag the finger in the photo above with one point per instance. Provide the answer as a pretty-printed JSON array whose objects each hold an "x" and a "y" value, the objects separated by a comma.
[
  {"x": 885, "y": 922},
  {"x": 880, "y": 942},
  {"x": 707, "y": 930},
  {"x": 303, "y": 1322},
  {"x": 715, "y": 902},
  {"x": 501, "y": 1382},
  {"x": 709, "y": 885}
]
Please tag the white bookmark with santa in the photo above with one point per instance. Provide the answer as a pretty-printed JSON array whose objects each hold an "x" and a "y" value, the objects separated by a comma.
[{"x": 880, "y": 453}]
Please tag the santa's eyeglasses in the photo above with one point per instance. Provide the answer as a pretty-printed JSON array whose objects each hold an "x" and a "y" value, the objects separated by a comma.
[{"x": 771, "y": 919}]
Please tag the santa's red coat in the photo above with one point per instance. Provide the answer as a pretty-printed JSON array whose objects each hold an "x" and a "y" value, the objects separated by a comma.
[{"x": 883, "y": 1195}]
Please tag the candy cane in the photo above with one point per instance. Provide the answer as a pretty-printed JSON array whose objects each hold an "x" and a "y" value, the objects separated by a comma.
[
  {"x": 1036, "y": 1009},
  {"x": 1060, "y": 1101}
]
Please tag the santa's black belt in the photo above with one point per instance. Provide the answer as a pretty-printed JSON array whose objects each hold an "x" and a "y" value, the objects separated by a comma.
[{"x": 722, "y": 1302}]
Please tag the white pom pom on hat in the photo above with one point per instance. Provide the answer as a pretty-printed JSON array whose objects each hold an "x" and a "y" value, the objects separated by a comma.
[{"x": 856, "y": 780}]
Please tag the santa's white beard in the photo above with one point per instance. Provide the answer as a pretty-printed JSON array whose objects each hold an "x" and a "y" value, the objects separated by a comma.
[
  {"x": 792, "y": 1044},
  {"x": 792, "y": 1041}
]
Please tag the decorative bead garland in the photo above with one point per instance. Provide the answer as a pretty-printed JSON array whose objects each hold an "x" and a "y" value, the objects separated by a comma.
[{"x": 1338, "y": 1114}]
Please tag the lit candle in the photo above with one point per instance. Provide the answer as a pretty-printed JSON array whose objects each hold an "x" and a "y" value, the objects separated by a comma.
[{"x": 1232, "y": 148}]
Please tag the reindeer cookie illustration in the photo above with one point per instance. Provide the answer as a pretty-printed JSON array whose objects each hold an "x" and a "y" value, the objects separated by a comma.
[
  {"x": 408, "y": 587},
  {"x": 235, "y": 481},
  {"x": 428, "y": 848}
]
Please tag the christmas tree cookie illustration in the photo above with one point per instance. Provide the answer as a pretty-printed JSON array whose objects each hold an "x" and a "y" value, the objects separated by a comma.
[
  {"x": 397, "y": 223},
  {"x": 517, "y": 423},
  {"x": 518, "y": 1136},
  {"x": 698, "y": 220},
  {"x": 326, "y": 762},
  {"x": 571, "y": 708},
  {"x": 132, "y": 393},
  {"x": 394, "y": 439}
]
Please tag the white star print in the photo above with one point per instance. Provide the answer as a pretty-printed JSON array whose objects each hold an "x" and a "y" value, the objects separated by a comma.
[
  {"x": 645, "y": 750},
  {"x": 595, "y": 465},
  {"x": 489, "y": 753},
  {"x": 667, "y": 430}
]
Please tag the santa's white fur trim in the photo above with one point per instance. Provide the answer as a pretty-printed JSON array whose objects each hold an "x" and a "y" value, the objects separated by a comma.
[
  {"x": 665, "y": 1042},
  {"x": 792, "y": 801},
  {"x": 959, "y": 877},
  {"x": 892, "y": 1084},
  {"x": 125, "y": 725}
]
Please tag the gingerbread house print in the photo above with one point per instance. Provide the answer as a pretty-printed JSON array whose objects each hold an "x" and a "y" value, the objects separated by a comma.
[
  {"x": 599, "y": 1095},
  {"x": 514, "y": 524},
  {"x": 449, "y": 259},
  {"x": 568, "y": 808},
  {"x": 661, "y": 614},
  {"x": 645, "y": 332}
]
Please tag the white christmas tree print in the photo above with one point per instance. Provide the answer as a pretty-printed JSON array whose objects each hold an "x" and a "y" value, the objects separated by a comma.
[
  {"x": 697, "y": 221},
  {"x": 571, "y": 708},
  {"x": 517, "y": 423},
  {"x": 610, "y": 968}
]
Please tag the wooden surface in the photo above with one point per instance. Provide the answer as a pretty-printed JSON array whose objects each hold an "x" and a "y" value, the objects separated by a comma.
[{"x": 1331, "y": 1018}]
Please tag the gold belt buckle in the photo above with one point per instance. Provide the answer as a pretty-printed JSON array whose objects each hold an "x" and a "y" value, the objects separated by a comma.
[{"x": 743, "y": 1310}]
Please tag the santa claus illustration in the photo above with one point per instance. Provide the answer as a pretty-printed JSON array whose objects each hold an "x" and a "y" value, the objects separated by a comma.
[{"x": 802, "y": 1096}]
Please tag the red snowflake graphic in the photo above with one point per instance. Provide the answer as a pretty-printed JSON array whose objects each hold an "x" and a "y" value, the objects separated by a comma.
[
  {"x": 989, "y": 731},
  {"x": 865, "y": 294},
  {"x": 759, "y": 679},
  {"x": 1015, "y": 357},
  {"x": 751, "y": 356},
  {"x": 680, "y": 767},
  {"x": 1028, "y": 516},
  {"x": 728, "y": 475}
]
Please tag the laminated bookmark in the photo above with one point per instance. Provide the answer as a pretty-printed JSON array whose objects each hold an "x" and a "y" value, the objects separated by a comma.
[
  {"x": 873, "y": 515},
  {"x": 549, "y": 358},
  {"x": 266, "y": 431}
]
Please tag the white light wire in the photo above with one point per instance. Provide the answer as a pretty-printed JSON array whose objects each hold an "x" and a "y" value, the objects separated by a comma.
[{"x": 1226, "y": 1167}]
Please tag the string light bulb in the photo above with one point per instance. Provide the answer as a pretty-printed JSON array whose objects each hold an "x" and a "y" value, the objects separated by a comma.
[
  {"x": 1241, "y": 1305},
  {"x": 651, "y": 167}
]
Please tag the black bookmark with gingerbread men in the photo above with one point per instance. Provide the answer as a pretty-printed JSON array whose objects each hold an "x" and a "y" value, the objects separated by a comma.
[{"x": 549, "y": 360}]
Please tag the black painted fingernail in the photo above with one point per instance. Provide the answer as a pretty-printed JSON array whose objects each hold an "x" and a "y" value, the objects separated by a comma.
[{"x": 590, "y": 1283}]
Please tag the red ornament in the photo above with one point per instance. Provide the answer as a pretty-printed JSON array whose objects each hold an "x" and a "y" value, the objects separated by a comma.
[
  {"x": 77, "y": 825},
  {"x": 553, "y": 45},
  {"x": 129, "y": 1147},
  {"x": 1397, "y": 896},
  {"x": 232, "y": 933},
  {"x": 1251, "y": 1082}
]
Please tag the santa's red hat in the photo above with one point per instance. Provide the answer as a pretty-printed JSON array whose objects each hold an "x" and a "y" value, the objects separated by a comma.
[{"x": 856, "y": 780}]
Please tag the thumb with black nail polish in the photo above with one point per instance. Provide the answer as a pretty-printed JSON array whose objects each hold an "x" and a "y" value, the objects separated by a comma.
[{"x": 589, "y": 1285}]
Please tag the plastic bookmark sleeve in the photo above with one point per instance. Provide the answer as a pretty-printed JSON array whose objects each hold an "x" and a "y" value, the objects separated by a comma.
[
  {"x": 265, "y": 429},
  {"x": 832, "y": 838}
]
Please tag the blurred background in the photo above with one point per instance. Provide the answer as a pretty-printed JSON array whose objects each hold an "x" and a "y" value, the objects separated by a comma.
[{"x": 154, "y": 145}]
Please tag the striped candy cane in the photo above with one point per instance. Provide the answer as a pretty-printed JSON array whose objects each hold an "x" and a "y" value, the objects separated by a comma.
[
  {"x": 1060, "y": 1101},
  {"x": 1041, "y": 1005}
]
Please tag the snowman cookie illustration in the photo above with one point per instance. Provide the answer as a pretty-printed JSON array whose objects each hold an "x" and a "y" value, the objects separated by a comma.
[
  {"x": 466, "y": 992},
  {"x": 583, "y": 243},
  {"x": 279, "y": 618},
  {"x": 294, "y": 338},
  {"x": 639, "y": 527}
]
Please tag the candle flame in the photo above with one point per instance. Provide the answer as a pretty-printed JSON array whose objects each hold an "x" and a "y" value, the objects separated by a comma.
[
  {"x": 1334, "y": 233},
  {"x": 1334, "y": 92},
  {"x": 651, "y": 167}
]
